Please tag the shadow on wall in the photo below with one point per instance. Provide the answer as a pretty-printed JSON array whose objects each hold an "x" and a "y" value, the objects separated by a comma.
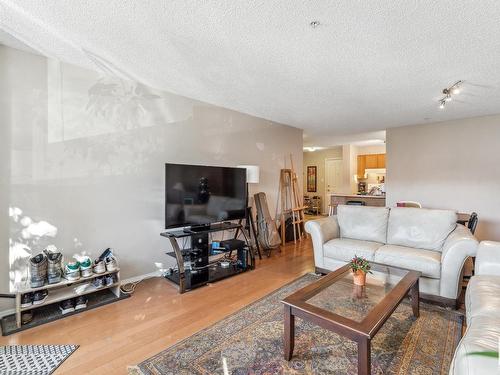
[
  {"x": 87, "y": 154},
  {"x": 26, "y": 235},
  {"x": 94, "y": 122}
]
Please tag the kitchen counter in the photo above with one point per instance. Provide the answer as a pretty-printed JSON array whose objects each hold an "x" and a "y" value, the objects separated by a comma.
[
  {"x": 358, "y": 196},
  {"x": 369, "y": 200}
]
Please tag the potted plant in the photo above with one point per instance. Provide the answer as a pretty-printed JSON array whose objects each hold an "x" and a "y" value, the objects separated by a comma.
[{"x": 359, "y": 267}]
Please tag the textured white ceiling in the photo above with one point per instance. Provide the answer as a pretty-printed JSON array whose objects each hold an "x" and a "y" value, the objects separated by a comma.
[{"x": 370, "y": 65}]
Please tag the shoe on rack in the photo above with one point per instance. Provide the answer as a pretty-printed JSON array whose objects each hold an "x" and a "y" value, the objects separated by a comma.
[
  {"x": 67, "y": 306},
  {"x": 98, "y": 282},
  {"x": 72, "y": 271},
  {"x": 26, "y": 300},
  {"x": 55, "y": 266},
  {"x": 106, "y": 253},
  {"x": 99, "y": 266},
  {"x": 111, "y": 263},
  {"x": 86, "y": 267},
  {"x": 81, "y": 302},
  {"x": 26, "y": 316},
  {"x": 38, "y": 270},
  {"x": 40, "y": 296},
  {"x": 109, "y": 280}
]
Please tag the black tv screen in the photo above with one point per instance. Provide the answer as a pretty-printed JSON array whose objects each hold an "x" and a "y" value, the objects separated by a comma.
[{"x": 201, "y": 195}]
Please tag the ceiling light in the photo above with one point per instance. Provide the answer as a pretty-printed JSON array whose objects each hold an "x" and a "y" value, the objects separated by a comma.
[
  {"x": 314, "y": 24},
  {"x": 448, "y": 91}
]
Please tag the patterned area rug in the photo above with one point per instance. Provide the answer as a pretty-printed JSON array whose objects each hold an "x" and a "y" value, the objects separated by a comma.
[
  {"x": 250, "y": 342},
  {"x": 33, "y": 359}
]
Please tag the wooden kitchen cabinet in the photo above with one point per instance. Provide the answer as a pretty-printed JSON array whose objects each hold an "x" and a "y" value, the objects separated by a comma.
[
  {"x": 380, "y": 160},
  {"x": 371, "y": 161},
  {"x": 361, "y": 166},
  {"x": 374, "y": 161}
]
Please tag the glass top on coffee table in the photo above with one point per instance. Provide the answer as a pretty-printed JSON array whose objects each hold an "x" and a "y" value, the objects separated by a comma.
[
  {"x": 354, "y": 302},
  {"x": 334, "y": 302},
  {"x": 336, "y": 299}
]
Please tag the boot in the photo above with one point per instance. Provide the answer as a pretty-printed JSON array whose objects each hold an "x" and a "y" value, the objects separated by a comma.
[
  {"x": 55, "y": 267},
  {"x": 38, "y": 268}
]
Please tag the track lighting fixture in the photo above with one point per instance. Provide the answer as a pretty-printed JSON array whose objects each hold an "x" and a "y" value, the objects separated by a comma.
[{"x": 448, "y": 91}]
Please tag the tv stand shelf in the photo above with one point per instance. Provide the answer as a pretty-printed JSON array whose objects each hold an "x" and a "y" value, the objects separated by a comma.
[
  {"x": 196, "y": 266},
  {"x": 212, "y": 228}
]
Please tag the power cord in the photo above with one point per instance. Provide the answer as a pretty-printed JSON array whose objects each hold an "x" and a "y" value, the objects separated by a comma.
[{"x": 129, "y": 288}]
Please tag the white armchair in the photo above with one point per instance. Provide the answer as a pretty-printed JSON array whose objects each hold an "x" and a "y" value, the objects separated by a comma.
[{"x": 482, "y": 307}]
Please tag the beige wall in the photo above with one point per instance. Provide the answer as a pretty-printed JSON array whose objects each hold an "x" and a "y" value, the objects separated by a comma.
[
  {"x": 453, "y": 165},
  {"x": 370, "y": 150},
  {"x": 86, "y": 153},
  {"x": 317, "y": 158},
  {"x": 348, "y": 154},
  {"x": 349, "y": 185}
]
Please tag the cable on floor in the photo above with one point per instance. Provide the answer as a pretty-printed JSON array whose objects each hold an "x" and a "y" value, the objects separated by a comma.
[{"x": 129, "y": 288}]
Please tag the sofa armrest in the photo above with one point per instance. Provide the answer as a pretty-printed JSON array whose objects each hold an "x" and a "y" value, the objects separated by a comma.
[
  {"x": 321, "y": 231},
  {"x": 488, "y": 258},
  {"x": 459, "y": 245}
]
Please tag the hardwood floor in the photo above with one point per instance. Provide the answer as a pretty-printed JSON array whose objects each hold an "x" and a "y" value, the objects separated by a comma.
[{"x": 156, "y": 316}]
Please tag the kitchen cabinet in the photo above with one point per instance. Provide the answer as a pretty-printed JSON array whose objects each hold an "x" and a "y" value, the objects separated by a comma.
[
  {"x": 373, "y": 161},
  {"x": 361, "y": 166},
  {"x": 380, "y": 160}
]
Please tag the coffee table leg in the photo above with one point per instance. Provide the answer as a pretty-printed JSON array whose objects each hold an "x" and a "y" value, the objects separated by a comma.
[
  {"x": 415, "y": 299},
  {"x": 364, "y": 356},
  {"x": 289, "y": 338}
]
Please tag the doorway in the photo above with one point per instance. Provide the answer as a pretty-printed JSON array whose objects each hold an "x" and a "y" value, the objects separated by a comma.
[{"x": 333, "y": 179}]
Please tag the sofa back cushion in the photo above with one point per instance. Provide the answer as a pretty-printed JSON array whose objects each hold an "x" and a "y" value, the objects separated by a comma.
[
  {"x": 363, "y": 223},
  {"x": 420, "y": 227}
]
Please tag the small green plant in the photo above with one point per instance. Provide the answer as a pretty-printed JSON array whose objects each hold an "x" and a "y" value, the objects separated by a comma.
[{"x": 360, "y": 263}]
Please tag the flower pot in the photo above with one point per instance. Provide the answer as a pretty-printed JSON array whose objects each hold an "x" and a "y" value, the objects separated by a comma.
[{"x": 359, "y": 278}]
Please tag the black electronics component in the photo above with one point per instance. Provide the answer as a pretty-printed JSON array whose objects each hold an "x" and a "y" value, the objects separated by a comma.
[
  {"x": 232, "y": 244},
  {"x": 242, "y": 258}
]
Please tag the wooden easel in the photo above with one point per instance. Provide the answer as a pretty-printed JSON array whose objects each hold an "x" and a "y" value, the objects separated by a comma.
[{"x": 291, "y": 203}]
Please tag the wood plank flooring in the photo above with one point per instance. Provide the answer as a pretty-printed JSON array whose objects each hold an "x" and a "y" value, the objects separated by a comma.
[{"x": 156, "y": 316}]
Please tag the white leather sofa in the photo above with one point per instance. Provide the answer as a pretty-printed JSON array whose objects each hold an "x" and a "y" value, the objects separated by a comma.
[
  {"x": 482, "y": 308},
  {"x": 425, "y": 240}
]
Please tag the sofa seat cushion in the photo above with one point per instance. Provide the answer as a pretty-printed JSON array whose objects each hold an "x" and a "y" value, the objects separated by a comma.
[
  {"x": 345, "y": 249},
  {"x": 481, "y": 335},
  {"x": 419, "y": 227},
  {"x": 363, "y": 223},
  {"x": 482, "y": 297},
  {"x": 426, "y": 261}
]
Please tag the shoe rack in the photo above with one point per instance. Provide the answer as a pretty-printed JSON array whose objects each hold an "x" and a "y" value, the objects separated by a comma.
[{"x": 63, "y": 290}]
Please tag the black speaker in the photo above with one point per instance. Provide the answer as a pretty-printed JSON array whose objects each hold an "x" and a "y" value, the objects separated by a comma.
[{"x": 242, "y": 258}]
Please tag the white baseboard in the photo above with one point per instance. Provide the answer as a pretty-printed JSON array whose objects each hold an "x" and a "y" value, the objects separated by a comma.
[{"x": 134, "y": 279}]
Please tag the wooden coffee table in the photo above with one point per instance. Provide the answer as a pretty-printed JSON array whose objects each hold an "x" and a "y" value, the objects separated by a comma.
[{"x": 335, "y": 303}]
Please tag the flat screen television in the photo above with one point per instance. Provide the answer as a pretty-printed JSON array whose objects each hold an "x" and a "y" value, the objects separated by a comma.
[{"x": 198, "y": 195}]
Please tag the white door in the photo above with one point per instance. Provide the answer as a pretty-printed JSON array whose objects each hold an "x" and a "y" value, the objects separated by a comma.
[{"x": 333, "y": 178}]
